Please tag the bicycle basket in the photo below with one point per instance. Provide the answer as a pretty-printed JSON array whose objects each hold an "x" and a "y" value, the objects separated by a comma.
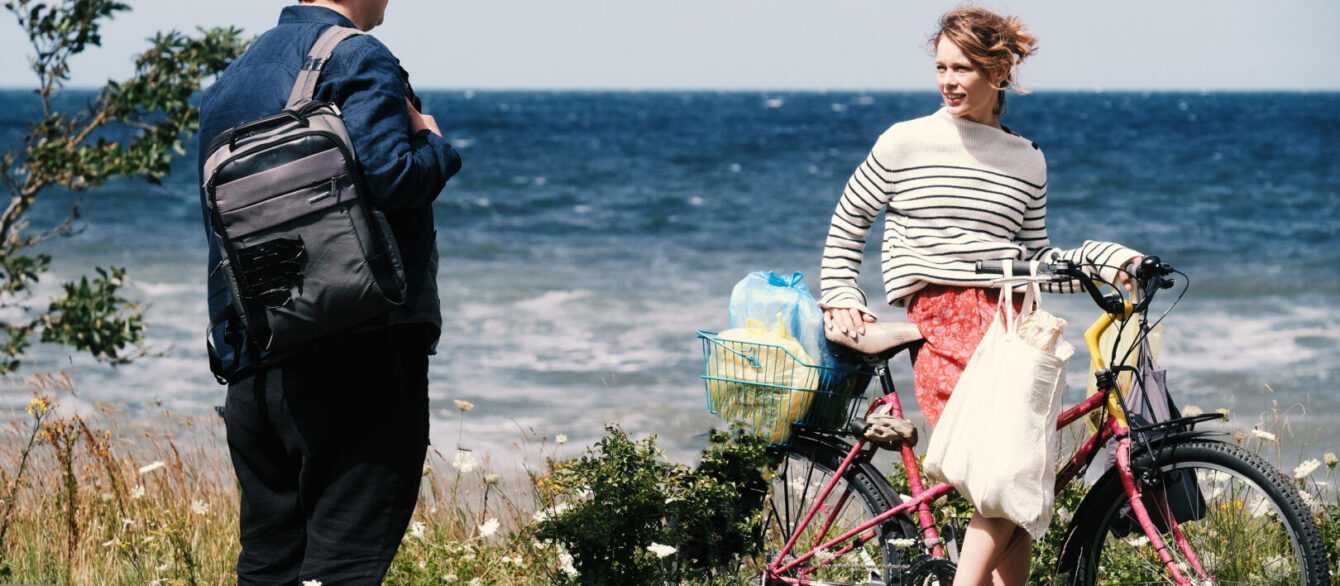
[{"x": 770, "y": 391}]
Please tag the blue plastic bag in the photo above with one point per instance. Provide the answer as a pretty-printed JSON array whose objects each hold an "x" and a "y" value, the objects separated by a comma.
[{"x": 763, "y": 295}]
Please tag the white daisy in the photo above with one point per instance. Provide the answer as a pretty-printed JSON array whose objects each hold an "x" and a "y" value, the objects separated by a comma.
[
  {"x": 464, "y": 461},
  {"x": 565, "y": 563},
  {"x": 1306, "y": 468},
  {"x": 661, "y": 551},
  {"x": 489, "y": 527}
]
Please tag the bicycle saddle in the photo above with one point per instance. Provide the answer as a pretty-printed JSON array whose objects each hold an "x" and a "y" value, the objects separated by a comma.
[{"x": 879, "y": 338}]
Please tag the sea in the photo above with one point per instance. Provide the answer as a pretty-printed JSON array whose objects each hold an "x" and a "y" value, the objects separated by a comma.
[{"x": 590, "y": 235}]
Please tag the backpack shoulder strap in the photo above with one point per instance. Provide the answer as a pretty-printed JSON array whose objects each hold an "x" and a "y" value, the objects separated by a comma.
[{"x": 305, "y": 85}]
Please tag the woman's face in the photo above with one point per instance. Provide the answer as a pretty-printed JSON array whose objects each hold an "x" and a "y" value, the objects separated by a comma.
[{"x": 966, "y": 91}]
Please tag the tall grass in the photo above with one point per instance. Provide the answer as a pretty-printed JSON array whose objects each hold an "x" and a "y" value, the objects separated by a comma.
[{"x": 103, "y": 498}]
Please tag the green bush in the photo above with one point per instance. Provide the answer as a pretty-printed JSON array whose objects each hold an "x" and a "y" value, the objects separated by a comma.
[{"x": 625, "y": 515}]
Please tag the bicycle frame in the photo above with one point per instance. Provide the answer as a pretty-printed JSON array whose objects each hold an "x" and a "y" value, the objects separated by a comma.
[{"x": 1113, "y": 425}]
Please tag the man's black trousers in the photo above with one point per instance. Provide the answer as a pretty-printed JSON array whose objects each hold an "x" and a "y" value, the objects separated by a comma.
[{"x": 328, "y": 448}]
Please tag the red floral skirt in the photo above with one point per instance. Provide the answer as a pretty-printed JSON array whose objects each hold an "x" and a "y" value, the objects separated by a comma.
[{"x": 953, "y": 321}]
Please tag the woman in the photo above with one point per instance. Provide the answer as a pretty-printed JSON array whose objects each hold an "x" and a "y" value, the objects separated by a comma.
[{"x": 956, "y": 187}]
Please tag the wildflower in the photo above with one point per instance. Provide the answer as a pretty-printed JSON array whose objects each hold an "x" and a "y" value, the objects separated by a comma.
[
  {"x": 1223, "y": 411},
  {"x": 464, "y": 406},
  {"x": 1063, "y": 514},
  {"x": 1306, "y": 468},
  {"x": 824, "y": 556},
  {"x": 1312, "y": 503},
  {"x": 518, "y": 561},
  {"x": 549, "y": 513},
  {"x": 423, "y": 564},
  {"x": 151, "y": 467},
  {"x": 449, "y": 578},
  {"x": 137, "y": 492},
  {"x": 1191, "y": 411},
  {"x": 199, "y": 507},
  {"x": 1276, "y": 568},
  {"x": 1265, "y": 435},
  {"x": 416, "y": 529},
  {"x": 491, "y": 479},
  {"x": 1137, "y": 541},
  {"x": 902, "y": 543},
  {"x": 38, "y": 406},
  {"x": 661, "y": 551},
  {"x": 311, "y": 583},
  {"x": 1330, "y": 460},
  {"x": 561, "y": 439},
  {"x": 565, "y": 563},
  {"x": 489, "y": 527},
  {"x": 464, "y": 461}
]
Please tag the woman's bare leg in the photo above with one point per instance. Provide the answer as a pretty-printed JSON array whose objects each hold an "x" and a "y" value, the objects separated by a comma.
[
  {"x": 983, "y": 543},
  {"x": 1012, "y": 566}
]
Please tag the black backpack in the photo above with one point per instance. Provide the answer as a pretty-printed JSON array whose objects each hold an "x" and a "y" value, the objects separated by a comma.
[{"x": 304, "y": 253}]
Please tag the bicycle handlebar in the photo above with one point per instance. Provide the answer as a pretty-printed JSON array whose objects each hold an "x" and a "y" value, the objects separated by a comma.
[{"x": 1150, "y": 276}]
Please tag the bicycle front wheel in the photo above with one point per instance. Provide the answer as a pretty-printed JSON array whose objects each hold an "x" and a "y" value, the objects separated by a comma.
[
  {"x": 858, "y": 495},
  {"x": 1240, "y": 519}
]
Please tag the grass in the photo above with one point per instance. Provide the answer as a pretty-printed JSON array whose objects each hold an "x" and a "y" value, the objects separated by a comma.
[{"x": 147, "y": 504}]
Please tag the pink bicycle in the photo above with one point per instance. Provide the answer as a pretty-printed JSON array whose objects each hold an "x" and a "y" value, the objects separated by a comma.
[{"x": 1180, "y": 505}]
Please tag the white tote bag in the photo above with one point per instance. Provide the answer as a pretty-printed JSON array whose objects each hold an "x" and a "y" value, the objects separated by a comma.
[{"x": 996, "y": 441}]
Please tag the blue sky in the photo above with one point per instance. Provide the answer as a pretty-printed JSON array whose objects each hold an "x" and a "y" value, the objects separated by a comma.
[{"x": 781, "y": 44}]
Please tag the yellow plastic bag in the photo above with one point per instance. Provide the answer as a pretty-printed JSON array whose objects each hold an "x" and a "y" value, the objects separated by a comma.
[{"x": 763, "y": 377}]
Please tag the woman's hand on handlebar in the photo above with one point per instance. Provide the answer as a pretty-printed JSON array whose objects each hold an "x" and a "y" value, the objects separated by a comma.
[
  {"x": 1126, "y": 276},
  {"x": 848, "y": 320}
]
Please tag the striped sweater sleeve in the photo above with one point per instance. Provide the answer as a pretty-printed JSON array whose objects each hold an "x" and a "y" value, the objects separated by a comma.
[
  {"x": 865, "y": 196},
  {"x": 1101, "y": 259}
]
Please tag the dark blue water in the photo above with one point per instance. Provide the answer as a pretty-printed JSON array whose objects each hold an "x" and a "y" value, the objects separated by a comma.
[{"x": 590, "y": 234}]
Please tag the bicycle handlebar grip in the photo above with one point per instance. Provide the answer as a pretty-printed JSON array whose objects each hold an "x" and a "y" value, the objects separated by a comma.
[
  {"x": 989, "y": 267},
  {"x": 1018, "y": 268}
]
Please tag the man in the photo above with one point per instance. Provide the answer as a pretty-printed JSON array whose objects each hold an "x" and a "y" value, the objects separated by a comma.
[{"x": 328, "y": 444}]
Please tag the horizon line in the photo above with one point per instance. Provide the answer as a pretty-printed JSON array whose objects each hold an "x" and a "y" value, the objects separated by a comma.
[{"x": 811, "y": 90}]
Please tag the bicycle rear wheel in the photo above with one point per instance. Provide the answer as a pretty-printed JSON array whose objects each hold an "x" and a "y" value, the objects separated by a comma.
[
  {"x": 1246, "y": 525},
  {"x": 859, "y": 495}
]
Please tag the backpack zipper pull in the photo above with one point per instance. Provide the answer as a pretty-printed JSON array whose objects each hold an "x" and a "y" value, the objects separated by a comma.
[{"x": 330, "y": 190}]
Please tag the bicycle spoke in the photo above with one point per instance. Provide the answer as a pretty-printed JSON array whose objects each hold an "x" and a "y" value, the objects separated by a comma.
[
  {"x": 1237, "y": 535},
  {"x": 795, "y": 492}
]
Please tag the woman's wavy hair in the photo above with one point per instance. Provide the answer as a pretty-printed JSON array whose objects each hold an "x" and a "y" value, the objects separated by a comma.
[{"x": 995, "y": 44}]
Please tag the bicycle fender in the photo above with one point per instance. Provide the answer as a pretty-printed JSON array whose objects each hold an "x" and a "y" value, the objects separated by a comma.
[{"x": 1102, "y": 492}]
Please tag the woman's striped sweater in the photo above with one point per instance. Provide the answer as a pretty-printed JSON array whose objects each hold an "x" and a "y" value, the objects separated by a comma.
[{"x": 954, "y": 192}]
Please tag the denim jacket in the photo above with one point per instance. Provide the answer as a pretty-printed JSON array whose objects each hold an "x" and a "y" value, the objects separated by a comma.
[{"x": 404, "y": 171}]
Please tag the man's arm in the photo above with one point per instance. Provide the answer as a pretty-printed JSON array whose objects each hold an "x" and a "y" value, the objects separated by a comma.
[{"x": 404, "y": 166}]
